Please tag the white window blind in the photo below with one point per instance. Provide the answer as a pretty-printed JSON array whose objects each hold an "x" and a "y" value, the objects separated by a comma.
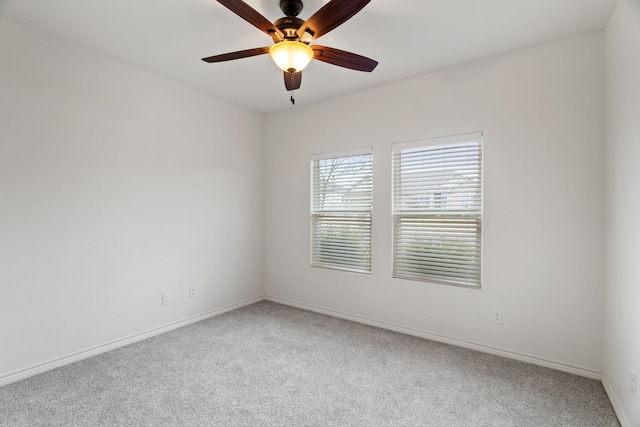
[
  {"x": 437, "y": 210},
  {"x": 341, "y": 210}
]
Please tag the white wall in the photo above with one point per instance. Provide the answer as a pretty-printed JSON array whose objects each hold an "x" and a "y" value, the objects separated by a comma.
[
  {"x": 541, "y": 111},
  {"x": 622, "y": 311},
  {"x": 116, "y": 185}
]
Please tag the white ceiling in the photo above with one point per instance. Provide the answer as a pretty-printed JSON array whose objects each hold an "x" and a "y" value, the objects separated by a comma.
[{"x": 408, "y": 38}]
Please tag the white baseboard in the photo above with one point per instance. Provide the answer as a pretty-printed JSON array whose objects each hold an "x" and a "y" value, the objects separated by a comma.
[
  {"x": 85, "y": 354},
  {"x": 614, "y": 401},
  {"x": 559, "y": 366},
  {"x": 65, "y": 360}
]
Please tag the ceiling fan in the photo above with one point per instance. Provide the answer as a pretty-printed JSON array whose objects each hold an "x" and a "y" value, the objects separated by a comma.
[{"x": 292, "y": 35}]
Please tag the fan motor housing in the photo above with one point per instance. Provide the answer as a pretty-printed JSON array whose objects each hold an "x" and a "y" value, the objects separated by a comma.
[{"x": 289, "y": 26}]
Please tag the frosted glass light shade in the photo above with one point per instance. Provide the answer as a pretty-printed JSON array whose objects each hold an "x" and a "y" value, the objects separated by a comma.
[{"x": 291, "y": 56}]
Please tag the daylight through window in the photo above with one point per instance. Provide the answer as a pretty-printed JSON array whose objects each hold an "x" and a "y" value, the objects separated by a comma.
[
  {"x": 437, "y": 210},
  {"x": 341, "y": 210}
]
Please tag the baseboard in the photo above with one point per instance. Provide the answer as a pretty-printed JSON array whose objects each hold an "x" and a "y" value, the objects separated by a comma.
[
  {"x": 559, "y": 366},
  {"x": 614, "y": 401},
  {"x": 65, "y": 360},
  {"x": 85, "y": 354}
]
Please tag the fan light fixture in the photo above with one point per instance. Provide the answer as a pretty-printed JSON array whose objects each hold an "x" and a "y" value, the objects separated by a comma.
[
  {"x": 291, "y": 35},
  {"x": 290, "y": 56}
]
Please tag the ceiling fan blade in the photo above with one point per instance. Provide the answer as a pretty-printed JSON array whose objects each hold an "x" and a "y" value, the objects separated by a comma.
[
  {"x": 253, "y": 17},
  {"x": 292, "y": 81},
  {"x": 343, "y": 58},
  {"x": 237, "y": 55},
  {"x": 329, "y": 16}
]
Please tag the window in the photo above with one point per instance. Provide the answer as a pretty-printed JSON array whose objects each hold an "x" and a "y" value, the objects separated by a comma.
[
  {"x": 341, "y": 210},
  {"x": 437, "y": 210}
]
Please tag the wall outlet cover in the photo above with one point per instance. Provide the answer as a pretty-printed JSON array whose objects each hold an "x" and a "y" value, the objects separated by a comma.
[{"x": 496, "y": 316}]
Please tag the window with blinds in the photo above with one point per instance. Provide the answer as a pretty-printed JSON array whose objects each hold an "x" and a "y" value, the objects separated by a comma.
[
  {"x": 437, "y": 210},
  {"x": 341, "y": 189}
]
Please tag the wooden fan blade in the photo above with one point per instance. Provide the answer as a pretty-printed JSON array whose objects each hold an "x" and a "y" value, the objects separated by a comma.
[
  {"x": 292, "y": 81},
  {"x": 253, "y": 17},
  {"x": 329, "y": 16},
  {"x": 237, "y": 55},
  {"x": 343, "y": 58}
]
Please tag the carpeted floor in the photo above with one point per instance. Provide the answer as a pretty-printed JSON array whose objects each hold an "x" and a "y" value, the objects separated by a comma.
[{"x": 273, "y": 365}]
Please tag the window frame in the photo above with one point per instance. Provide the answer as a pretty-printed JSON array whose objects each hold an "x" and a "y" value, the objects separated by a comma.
[
  {"x": 419, "y": 264},
  {"x": 361, "y": 216}
]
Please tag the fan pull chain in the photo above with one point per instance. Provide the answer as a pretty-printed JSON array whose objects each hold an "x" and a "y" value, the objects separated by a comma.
[{"x": 293, "y": 99}]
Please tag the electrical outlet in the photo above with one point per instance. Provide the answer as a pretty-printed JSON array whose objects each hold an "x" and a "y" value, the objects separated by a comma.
[
  {"x": 287, "y": 279},
  {"x": 192, "y": 292},
  {"x": 632, "y": 381},
  {"x": 166, "y": 298},
  {"x": 496, "y": 316}
]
